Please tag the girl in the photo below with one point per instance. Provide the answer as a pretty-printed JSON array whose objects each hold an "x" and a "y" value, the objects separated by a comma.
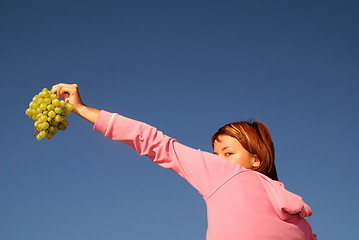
[{"x": 238, "y": 182}]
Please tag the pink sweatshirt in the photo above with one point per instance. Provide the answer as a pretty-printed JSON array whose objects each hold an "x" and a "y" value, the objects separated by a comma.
[{"x": 241, "y": 203}]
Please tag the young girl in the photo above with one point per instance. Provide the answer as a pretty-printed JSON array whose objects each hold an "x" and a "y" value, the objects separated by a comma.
[{"x": 238, "y": 182}]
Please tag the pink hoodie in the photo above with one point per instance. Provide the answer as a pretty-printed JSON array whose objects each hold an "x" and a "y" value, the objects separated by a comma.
[{"x": 241, "y": 203}]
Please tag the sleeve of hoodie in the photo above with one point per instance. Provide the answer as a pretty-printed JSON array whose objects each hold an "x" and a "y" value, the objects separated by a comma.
[{"x": 203, "y": 170}]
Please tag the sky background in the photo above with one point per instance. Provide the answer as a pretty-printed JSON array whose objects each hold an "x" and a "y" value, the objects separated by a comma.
[{"x": 186, "y": 67}]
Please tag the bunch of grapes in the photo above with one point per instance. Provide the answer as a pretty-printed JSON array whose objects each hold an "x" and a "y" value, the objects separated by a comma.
[{"x": 49, "y": 113}]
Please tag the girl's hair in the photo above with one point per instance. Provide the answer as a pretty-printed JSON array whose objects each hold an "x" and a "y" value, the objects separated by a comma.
[{"x": 254, "y": 136}]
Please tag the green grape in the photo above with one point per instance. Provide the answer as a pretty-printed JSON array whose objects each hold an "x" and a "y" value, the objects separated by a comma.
[
  {"x": 52, "y": 130},
  {"x": 38, "y": 137},
  {"x": 47, "y": 94},
  {"x": 44, "y": 93},
  {"x": 69, "y": 106},
  {"x": 44, "y": 125},
  {"x": 47, "y": 100},
  {"x": 40, "y": 100},
  {"x": 42, "y": 118},
  {"x": 65, "y": 122},
  {"x": 28, "y": 112},
  {"x": 34, "y": 105},
  {"x": 50, "y": 107},
  {"x": 58, "y": 110},
  {"x": 35, "y": 98},
  {"x": 58, "y": 118},
  {"x": 56, "y": 102},
  {"x": 62, "y": 127},
  {"x": 51, "y": 114},
  {"x": 42, "y": 134},
  {"x": 62, "y": 104},
  {"x": 43, "y": 106},
  {"x": 53, "y": 96}
]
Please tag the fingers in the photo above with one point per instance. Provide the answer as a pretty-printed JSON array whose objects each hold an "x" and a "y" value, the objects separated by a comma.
[
  {"x": 70, "y": 93},
  {"x": 64, "y": 90},
  {"x": 56, "y": 88}
]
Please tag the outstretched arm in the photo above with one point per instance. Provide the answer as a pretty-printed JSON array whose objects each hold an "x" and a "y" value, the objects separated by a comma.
[
  {"x": 70, "y": 93},
  {"x": 204, "y": 171}
]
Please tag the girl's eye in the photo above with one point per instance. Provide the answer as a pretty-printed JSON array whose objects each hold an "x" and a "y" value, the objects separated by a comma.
[{"x": 228, "y": 154}]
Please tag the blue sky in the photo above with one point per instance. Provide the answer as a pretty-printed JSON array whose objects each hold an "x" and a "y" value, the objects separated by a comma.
[{"x": 186, "y": 67}]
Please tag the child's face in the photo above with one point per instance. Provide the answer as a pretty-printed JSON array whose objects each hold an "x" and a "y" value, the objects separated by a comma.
[{"x": 232, "y": 150}]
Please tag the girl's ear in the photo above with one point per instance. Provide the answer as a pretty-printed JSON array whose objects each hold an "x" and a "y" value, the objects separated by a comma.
[{"x": 256, "y": 162}]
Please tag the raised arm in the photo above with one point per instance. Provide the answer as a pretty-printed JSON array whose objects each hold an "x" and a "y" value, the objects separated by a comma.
[
  {"x": 203, "y": 170},
  {"x": 70, "y": 93}
]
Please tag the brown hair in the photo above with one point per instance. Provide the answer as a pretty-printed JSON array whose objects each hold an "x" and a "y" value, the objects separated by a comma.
[{"x": 254, "y": 136}]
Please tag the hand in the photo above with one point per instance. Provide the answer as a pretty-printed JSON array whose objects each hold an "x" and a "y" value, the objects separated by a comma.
[{"x": 70, "y": 93}]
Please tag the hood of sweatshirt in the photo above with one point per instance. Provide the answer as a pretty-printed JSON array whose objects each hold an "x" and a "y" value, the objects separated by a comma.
[{"x": 285, "y": 203}]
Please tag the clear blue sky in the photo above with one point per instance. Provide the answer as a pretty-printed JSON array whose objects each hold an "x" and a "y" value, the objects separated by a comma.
[{"x": 186, "y": 67}]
